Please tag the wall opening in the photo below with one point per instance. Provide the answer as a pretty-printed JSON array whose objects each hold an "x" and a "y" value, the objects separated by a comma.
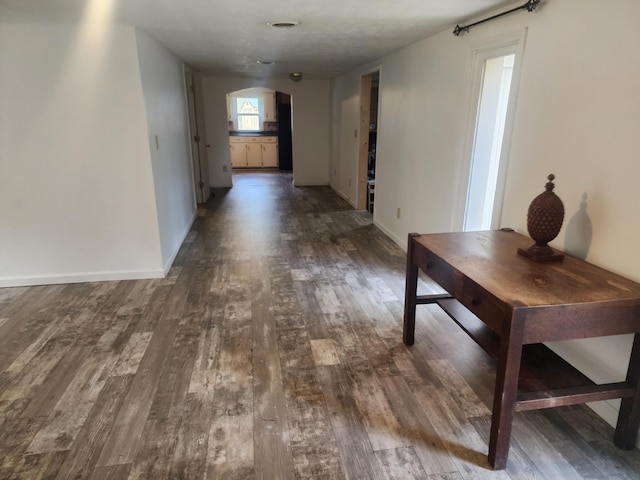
[
  {"x": 369, "y": 92},
  {"x": 260, "y": 129},
  {"x": 492, "y": 90},
  {"x": 487, "y": 147},
  {"x": 200, "y": 169}
]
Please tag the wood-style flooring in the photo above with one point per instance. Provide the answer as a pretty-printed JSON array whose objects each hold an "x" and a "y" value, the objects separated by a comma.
[{"x": 272, "y": 350}]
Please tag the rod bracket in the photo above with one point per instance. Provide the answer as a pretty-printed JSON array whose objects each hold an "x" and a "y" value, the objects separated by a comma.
[{"x": 529, "y": 6}]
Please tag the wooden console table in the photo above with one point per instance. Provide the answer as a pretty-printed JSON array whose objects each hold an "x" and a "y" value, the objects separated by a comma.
[{"x": 509, "y": 305}]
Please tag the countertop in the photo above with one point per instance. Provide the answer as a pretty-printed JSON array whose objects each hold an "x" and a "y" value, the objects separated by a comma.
[{"x": 233, "y": 133}]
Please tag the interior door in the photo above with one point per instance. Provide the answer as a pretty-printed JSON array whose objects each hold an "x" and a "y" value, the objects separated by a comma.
[{"x": 195, "y": 139}]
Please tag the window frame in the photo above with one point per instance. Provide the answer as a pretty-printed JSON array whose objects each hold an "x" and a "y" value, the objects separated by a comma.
[{"x": 241, "y": 115}]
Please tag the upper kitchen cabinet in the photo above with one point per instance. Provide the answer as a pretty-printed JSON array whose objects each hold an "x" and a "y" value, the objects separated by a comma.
[{"x": 270, "y": 107}]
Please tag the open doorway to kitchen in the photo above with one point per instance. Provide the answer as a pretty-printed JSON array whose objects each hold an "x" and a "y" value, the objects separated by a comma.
[
  {"x": 494, "y": 87},
  {"x": 369, "y": 93},
  {"x": 259, "y": 123}
]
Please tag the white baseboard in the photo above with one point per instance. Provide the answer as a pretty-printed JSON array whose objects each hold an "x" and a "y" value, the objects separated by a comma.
[
  {"x": 174, "y": 254},
  {"x": 103, "y": 276},
  {"x": 401, "y": 242},
  {"x": 80, "y": 278},
  {"x": 343, "y": 196},
  {"x": 609, "y": 413}
]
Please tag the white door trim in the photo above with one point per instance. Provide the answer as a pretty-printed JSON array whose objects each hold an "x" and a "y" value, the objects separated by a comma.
[{"x": 513, "y": 43}]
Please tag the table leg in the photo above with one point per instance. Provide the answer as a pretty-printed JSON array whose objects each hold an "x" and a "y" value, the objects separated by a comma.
[
  {"x": 506, "y": 390},
  {"x": 629, "y": 416},
  {"x": 411, "y": 287}
]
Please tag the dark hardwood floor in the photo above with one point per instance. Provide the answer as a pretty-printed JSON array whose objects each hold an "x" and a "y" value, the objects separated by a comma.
[{"x": 272, "y": 350}]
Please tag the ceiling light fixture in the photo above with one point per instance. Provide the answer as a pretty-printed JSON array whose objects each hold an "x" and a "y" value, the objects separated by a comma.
[
  {"x": 295, "y": 76},
  {"x": 265, "y": 62},
  {"x": 283, "y": 24}
]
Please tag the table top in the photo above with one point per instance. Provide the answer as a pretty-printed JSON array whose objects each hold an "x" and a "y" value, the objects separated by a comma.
[{"x": 490, "y": 259}]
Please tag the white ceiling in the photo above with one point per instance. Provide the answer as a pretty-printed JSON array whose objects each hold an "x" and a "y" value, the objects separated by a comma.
[{"x": 226, "y": 37}]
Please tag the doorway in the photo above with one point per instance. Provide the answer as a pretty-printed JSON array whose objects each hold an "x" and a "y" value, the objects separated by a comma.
[
  {"x": 260, "y": 129},
  {"x": 492, "y": 103},
  {"x": 285, "y": 134},
  {"x": 487, "y": 149},
  {"x": 369, "y": 93},
  {"x": 199, "y": 163}
]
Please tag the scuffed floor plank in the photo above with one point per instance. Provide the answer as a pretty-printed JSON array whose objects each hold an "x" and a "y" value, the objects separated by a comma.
[{"x": 272, "y": 447}]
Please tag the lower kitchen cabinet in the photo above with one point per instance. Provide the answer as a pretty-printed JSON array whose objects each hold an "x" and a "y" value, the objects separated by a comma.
[
  {"x": 238, "y": 153},
  {"x": 254, "y": 155},
  {"x": 270, "y": 152},
  {"x": 253, "y": 152}
]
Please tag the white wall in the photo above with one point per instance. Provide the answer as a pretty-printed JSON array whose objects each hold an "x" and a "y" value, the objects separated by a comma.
[
  {"x": 76, "y": 186},
  {"x": 167, "y": 120},
  {"x": 576, "y": 116},
  {"x": 311, "y": 100},
  {"x": 418, "y": 128}
]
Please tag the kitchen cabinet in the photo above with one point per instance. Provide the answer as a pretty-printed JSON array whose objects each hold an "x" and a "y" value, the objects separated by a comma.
[
  {"x": 238, "y": 149},
  {"x": 270, "y": 107},
  {"x": 270, "y": 152},
  {"x": 253, "y": 152}
]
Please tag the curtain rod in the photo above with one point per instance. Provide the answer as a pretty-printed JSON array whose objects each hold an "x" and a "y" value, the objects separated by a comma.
[{"x": 530, "y": 6}]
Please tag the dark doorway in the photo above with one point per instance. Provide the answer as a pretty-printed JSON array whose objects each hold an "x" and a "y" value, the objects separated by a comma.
[
  {"x": 369, "y": 91},
  {"x": 283, "y": 117}
]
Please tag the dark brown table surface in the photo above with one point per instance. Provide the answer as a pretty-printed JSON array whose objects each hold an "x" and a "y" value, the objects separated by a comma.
[{"x": 509, "y": 304}]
